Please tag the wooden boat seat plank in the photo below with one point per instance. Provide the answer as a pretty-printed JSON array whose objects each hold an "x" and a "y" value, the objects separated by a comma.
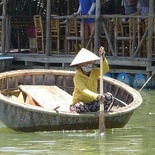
[{"x": 48, "y": 97}]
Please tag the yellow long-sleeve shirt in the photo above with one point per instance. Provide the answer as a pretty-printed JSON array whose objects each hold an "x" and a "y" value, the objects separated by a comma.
[{"x": 85, "y": 87}]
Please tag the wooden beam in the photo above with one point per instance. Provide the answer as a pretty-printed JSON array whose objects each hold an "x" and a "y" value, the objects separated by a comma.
[
  {"x": 97, "y": 20},
  {"x": 48, "y": 28},
  {"x": 141, "y": 43},
  {"x": 107, "y": 37},
  {"x": 3, "y": 27},
  {"x": 150, "y": 35}
]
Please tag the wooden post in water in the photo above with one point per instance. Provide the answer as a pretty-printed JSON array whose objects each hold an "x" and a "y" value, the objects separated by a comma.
[
  {"x": 150, "y": 35},
  {"x": 48, "y": 28},
  {"x": 97, "y": 20},
  {"x": 4, "y": 27}
]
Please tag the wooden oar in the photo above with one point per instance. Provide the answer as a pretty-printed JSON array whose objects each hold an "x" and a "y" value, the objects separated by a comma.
[
  {"x": 146, "y": 82},
  {"x": 101, "y": 113},
  {"x": 120, "y": 101}
]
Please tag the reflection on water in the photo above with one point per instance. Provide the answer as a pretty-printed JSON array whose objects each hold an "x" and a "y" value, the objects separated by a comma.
[{"x": 137, "y": 137}]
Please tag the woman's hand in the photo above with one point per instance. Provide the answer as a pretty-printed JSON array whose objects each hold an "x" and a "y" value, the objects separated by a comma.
[
  {"x": 75, "y": 14},
  {"x": 101, "y": 51},
  {"x": 100, "y": 97},
  {"x": 107, "y": 96}
]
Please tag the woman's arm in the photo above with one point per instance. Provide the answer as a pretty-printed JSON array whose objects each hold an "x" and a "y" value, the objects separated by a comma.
[
  {"x": 92, "y": 8},
  {"x": 79, "y": 9},
  {"x": 81, "y": 86}
]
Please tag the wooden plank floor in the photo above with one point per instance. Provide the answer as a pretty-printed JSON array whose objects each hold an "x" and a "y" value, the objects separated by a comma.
[
  {"x": 32, "y": 61},
  {"x": 49, "y": 97}
]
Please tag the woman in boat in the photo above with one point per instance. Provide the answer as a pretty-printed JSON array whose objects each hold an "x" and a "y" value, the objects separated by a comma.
[{"x": 85, "y": 96}]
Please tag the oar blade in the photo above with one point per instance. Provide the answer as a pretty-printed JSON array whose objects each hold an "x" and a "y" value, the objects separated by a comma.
[{"x": 101, "y": 120}]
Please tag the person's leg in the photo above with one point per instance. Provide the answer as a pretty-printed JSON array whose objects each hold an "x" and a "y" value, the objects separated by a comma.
[
  {"x": 91, "y": 31},
  {"x": 93, "y": 106},
  {"x": 86, "y": 33},
  {"x": 91, "y": 27},
  {"x": 79, "y": 107}
]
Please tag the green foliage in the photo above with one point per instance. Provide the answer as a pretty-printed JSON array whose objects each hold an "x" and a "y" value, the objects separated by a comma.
[
  {"x": 26, "y": 7},
  {"x": 59, "y": 7},
  {"x": 32, "y": 7}
]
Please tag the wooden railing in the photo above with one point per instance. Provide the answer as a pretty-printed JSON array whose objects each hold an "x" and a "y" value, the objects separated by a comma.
[{"x": 120, "y": 38}]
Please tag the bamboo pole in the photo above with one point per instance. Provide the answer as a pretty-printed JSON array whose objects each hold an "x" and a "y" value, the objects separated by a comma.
[
  {"x": 97, "y": 19},
  {"x": 141, "y": 43},
  {"x": 48, "y": 28},
  {"x": 150, "y": 35},
  {"x": 108, "y": 38},
  {"x": 4, "y": 27}
]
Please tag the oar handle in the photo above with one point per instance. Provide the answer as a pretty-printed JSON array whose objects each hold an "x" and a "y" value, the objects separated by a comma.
[{"x": 120, "y": 101}]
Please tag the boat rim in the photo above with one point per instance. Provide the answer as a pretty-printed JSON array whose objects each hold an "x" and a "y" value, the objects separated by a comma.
[{"x": 131, "y": 107}]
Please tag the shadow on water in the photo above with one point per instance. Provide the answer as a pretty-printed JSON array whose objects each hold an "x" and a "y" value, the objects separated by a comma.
[{"x": 137, "y": 137}]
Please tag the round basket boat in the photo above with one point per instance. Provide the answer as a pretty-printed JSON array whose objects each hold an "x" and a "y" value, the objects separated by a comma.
[{"x": 39, "y": 99}]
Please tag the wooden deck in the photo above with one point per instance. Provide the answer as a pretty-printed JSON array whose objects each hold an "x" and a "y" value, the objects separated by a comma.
[
  {"x": 129, "y": 52},
  {"x": 117, "y": 64}
]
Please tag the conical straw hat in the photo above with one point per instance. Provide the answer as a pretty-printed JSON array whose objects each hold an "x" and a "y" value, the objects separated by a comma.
[{"x": 84, "y": 56}]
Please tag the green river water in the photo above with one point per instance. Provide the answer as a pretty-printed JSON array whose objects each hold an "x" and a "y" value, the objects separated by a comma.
[{"x": 136, "y": 138}]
